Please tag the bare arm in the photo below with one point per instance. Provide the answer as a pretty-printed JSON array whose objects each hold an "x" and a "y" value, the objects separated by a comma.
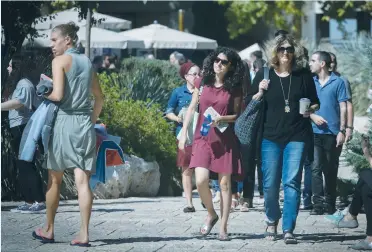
[
  {"x": 173, "y": 117},
  {"x": 58, "y": 70},
  {"x": 98, "y": 98},
  {"x": 350, "y": 113},
  {"x": 237, "y": 110},
  {"x": 11, "y": 104},
  {"x": 342, "y": 115},
  {"x": 190, "y": 111}
]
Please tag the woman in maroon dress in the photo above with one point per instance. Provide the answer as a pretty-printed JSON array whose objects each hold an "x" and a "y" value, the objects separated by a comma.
[{"x": 216, "y": 152}]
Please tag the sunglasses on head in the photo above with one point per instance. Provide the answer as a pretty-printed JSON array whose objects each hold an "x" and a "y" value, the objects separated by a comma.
[
  {"x": 223, "y": 62},
  {"x": 289, "y": 49}
]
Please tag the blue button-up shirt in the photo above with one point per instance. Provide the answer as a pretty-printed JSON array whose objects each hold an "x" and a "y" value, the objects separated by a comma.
[
  {"x": 180, "y": 98},
  {"x": 330, "y": 96}
]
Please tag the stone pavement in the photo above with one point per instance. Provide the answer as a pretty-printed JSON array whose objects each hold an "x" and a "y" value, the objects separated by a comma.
[{"x": 158, "y": 224}]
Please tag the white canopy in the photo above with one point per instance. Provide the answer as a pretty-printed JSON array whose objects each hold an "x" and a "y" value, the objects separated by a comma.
[
  {"x": 161, "y": 37},
  {"x": 66, "y": 16},
  {"x": 100, "y": 38},
  {"x": 246, "y": 53}
]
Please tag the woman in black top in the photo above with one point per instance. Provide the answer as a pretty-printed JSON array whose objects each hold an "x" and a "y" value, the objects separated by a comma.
[{"x": 285, "y": 132}]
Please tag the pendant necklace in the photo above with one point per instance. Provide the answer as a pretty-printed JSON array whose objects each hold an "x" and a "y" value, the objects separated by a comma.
[{"x": 287, "y": 109}]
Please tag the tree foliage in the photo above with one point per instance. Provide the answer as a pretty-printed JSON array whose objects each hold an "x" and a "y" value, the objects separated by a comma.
[
  {"x": 287, "y": 15},
  {"x": 143, "y": 129}
]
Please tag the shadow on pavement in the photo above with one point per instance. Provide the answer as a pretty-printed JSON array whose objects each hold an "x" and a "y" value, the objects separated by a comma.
[
  {"x": 311, "y": 238},
  {"x": 328, "y": 237},
  {"x": 112, "y": 203},
  {"x": 98, "y": 210}
]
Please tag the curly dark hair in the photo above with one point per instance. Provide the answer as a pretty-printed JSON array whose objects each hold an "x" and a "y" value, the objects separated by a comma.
[{"x": 233, "y": 78}]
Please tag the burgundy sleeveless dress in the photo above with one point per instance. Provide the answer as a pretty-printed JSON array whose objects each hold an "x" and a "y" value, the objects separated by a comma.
[{"x": 218, "y": 152}]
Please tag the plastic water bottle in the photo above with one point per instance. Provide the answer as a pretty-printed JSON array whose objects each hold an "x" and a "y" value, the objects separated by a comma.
[{"x": 205, "y": 126}]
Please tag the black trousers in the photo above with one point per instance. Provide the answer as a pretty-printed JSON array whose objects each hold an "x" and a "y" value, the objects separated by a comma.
[
  {"x": 30, "y": 183},
  {"x": 326, "y": 161},
  {"x": 363, "y": 196},
  {"x": 249, "y": 163}
]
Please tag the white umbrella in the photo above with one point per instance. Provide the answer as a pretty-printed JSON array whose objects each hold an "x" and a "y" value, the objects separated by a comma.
[
  {"x": 246, "y": 53},
  {"x": 100, "y": 38},
  {"x": 66, "y": 16},
  {"x": 161, "y": 37}
]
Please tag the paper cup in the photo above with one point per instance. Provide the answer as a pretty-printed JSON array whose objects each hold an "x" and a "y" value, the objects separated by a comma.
[{"x": 304, "y": 105}]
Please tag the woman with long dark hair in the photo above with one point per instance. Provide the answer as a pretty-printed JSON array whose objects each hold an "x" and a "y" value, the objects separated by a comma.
[
  {"x": 286, "y": 133},
  {"x": 73, "y": 143},
  {"x": 24, "y": 73},
  {"x": 214, "y": 151}
]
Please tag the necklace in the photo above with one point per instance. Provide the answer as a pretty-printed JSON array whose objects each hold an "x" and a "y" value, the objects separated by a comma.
[{"x": 287, "y": 109}]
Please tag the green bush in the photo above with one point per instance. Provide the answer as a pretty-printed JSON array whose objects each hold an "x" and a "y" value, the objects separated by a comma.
[
  {"x": 144, "y": 131},
  {"x": 151, "y": 81}
]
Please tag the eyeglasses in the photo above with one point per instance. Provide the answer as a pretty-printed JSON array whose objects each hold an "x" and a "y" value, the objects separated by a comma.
[
  {"x": 223, "y": 62},
  {"x": 289, "y": 49}
]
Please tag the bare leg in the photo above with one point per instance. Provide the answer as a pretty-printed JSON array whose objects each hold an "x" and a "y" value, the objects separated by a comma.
[
  {"x": 187, "y": 185},
  {"x": 85, "y": 203},
  {"x": 202, "y": 183},
  {"x": 226, "y": 198},
  {"x": 52, "y": 201}
]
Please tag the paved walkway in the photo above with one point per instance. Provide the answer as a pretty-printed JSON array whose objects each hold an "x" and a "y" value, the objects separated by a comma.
[{"x": 158, "y": 224}]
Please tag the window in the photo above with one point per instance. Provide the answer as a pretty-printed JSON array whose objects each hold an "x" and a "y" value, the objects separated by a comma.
[{"x": 349, "y": 28}]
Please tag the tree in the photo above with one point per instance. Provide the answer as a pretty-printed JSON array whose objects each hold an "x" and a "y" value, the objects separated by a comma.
[
  {"x": 287, "y": 15},
  {"x": 17, "y": 18}
]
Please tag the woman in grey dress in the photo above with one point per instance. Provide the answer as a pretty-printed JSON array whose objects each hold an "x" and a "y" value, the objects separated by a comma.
[{"x": 73, "y": 143}]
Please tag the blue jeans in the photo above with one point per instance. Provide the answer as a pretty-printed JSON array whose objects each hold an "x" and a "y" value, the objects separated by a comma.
[
  {"x": 307, "y": 192},
  {"x": 282, "y": 162},
  {"x": 238, "y": 186}
]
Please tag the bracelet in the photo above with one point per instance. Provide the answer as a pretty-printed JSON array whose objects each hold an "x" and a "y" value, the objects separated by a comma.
[
  {"x": 350, "y": 127},
  {"x": 343, "y": 132}
]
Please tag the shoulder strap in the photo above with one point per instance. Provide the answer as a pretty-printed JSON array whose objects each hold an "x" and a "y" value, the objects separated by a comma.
[{"x": 266, "y": 73}]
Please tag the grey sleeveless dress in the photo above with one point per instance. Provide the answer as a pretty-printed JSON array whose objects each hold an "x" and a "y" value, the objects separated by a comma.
[{"x": 73, "y": 143}]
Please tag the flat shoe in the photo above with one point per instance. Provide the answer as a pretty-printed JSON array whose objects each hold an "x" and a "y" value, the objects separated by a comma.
[
  {"x": 362, "y": 245},
  {"x": 224, "y": 237},
  {"x": 289, "y": 239},
  {"x": 79, "y": 244},
  {"x": 189, "y": 210},
  {"x": 208, "y": 228},
  {"x": 37, "y": 235}
]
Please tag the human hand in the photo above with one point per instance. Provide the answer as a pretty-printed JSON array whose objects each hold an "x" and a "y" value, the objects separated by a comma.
[
  {"x": 348, "y": 135},
  {"x": 264, "y": 85},
  {"x": 365, "y": 145},
  {"x": 340, "y": 139},
  {"x": 318, "y": 120},
  {"x": 215, "y": 122},
  {"x": 182, "y": 142}
]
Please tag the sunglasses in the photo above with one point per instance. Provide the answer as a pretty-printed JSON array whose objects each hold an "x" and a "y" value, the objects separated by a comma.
[
  {"x": 223, "y": 62},
  {"x": 289, "y": 49}
]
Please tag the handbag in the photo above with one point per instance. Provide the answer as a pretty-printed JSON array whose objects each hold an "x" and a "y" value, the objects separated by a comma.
[
  {"x": 246, "y": 125},
  {"x": 193, "y": 121},
  {"x": 191, "y": 128}
]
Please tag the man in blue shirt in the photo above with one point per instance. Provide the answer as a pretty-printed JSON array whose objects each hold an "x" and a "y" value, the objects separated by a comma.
[{"x": 329, "y": 126}]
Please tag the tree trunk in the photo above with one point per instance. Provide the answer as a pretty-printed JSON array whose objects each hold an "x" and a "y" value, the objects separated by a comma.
[{"x": 88, "y": 27}]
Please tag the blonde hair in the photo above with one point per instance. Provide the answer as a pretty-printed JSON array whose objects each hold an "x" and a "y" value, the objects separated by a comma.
[
  {"x": 299, "y": 58},
  {"x": 70, "y": 29}
]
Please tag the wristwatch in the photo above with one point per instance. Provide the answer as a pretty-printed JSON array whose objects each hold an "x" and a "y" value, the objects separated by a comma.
[{"x": 343, "y": 132}]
